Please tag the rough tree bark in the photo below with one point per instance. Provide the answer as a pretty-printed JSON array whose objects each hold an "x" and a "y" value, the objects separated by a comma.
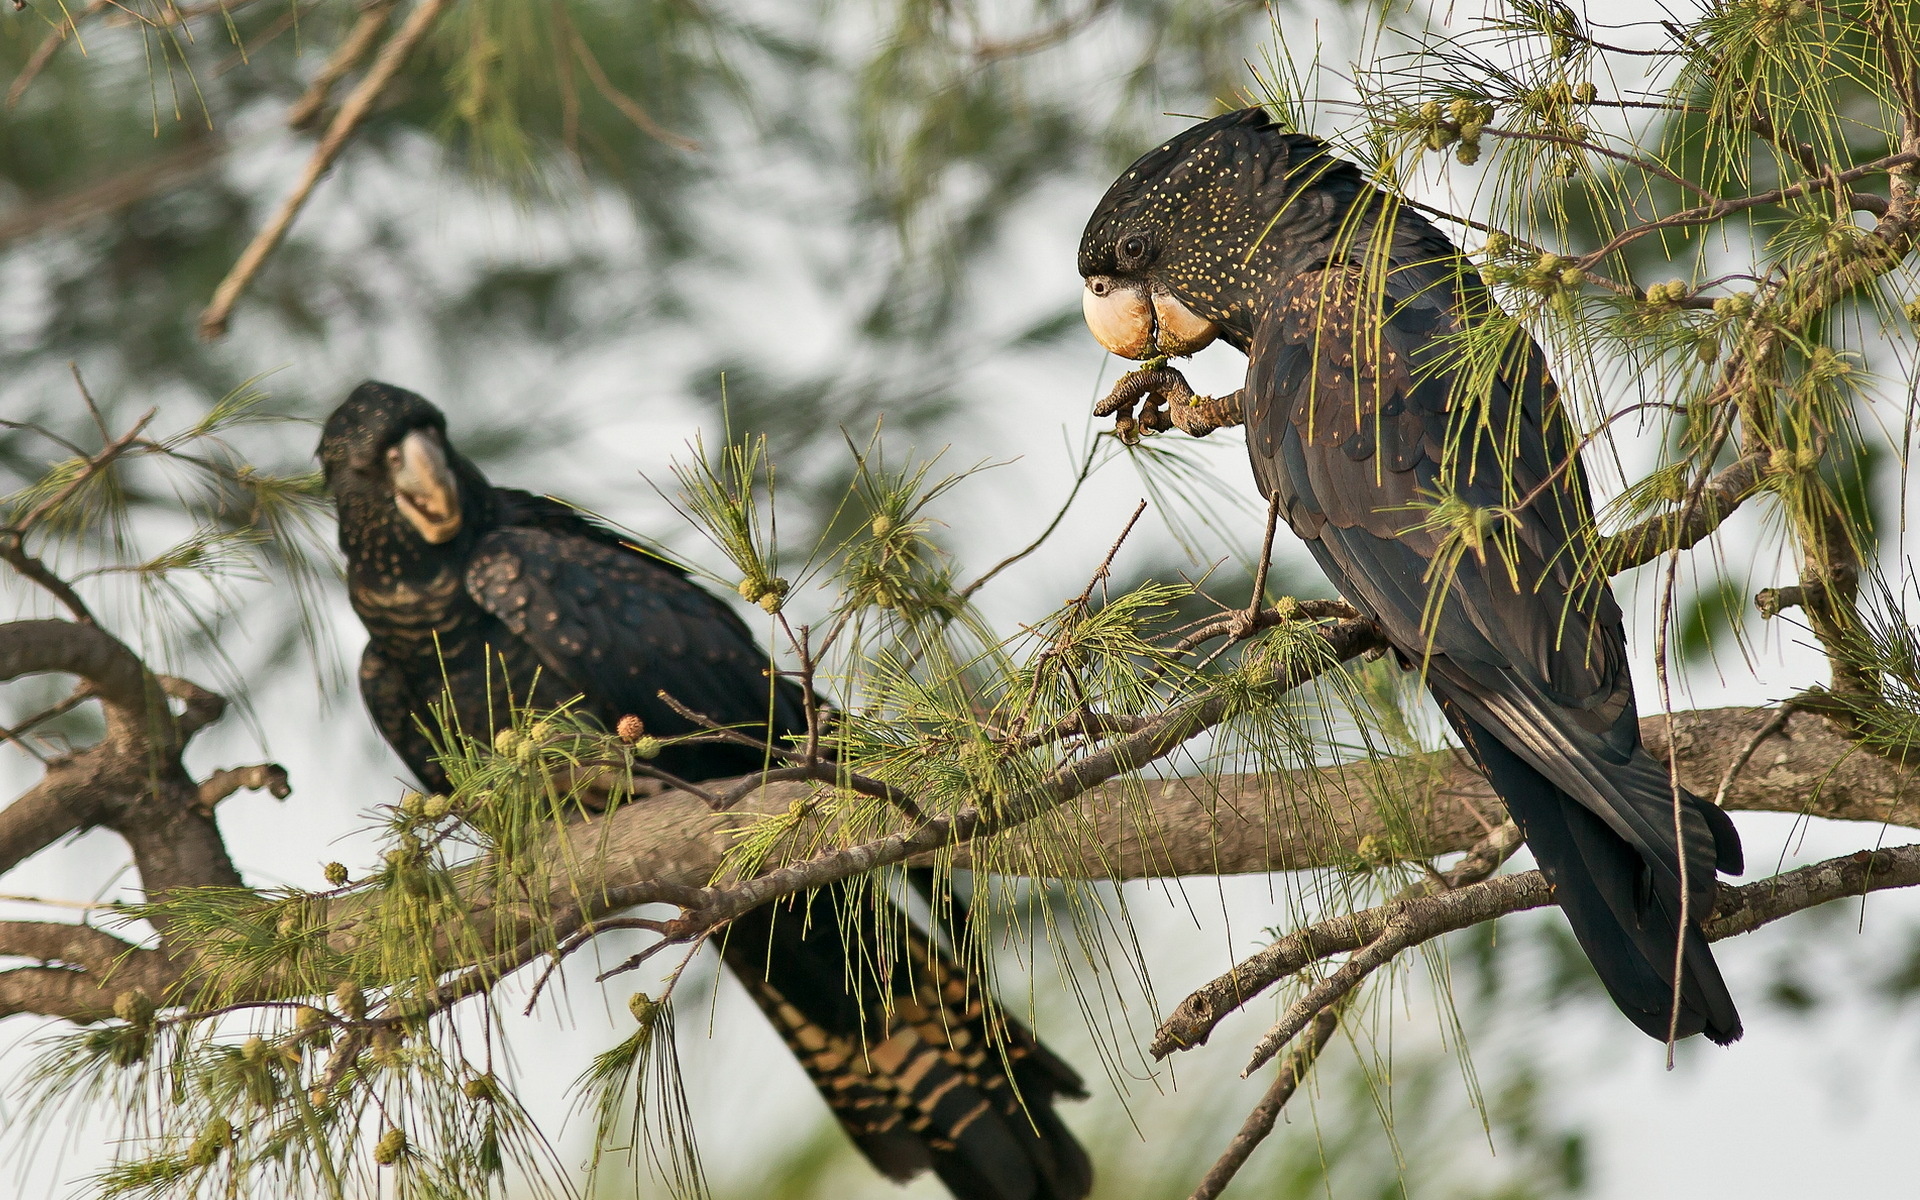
[{"x": 670, "y": 847}]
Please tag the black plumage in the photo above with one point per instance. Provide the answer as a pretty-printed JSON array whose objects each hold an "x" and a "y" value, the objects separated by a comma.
[
  {"x": 1433, "y": 478},
  {"x": 482, "y": 598}
]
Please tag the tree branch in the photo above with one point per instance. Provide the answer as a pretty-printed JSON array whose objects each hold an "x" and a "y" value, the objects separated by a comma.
[
  {"x": 1640, "y": 544},
  {"x": 353, "y": 111},
  {"x": 268, "y": 777},
  {"x": 353, "y": 48},
  {"x": 1707, "y": 214},
  {"x": 1407, "y": 923},
  {"x": 82, "y": 970},
  {"x": 1259, "y": 1122},
  {"x": 670, "y": 847},
  {"x": 131, "y": 781}
]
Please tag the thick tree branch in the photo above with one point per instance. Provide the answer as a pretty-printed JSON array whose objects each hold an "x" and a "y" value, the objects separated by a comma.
[
  {"x": 669, "y": 847},
  {"x": 131, "y": 781},
  {"x": 131, "y": 698},
  {"x": 55, "y": 992},
  {"x": 58, "y": 805},
  {"x": 68, "y": 944},
  {"x": 81, "y": 970}
]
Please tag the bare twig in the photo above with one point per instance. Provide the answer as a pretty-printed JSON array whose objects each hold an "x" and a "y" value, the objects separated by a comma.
[
  {"x": 1706, "y": 214},
  {"x": 673, "y": 938},
  {"x": 1040, "y": 39},
  {"x": 1705, "y": 509},
  {"x": 353, "y": 111},
  {"x": 1258, "y": 599},
  {"x": 1259, "y": 1122},
  {"x": 715, "y": 731},
  {"x": 80, "y": 695},
  {"x": 712, "y": 801},
  {"x": 1723, "y": 429},
  {"x": 13, "y": 549},
  {"x": 268, "y": 777},
  {"x": 586, "y": 934},
  {"x": 1289, "y": 609},
  {"x": 1332, "y": 995},
  {"x": 1632, "y": 160},
  {"x": 1398, "y": 933},
  {"x": 1080, "y": 724},
  {"x": 1105, "y": 569},
  {"x": 1738, "y": 910},
  {"x": 627, "y": 105},
  {"x": 811, "y": 708},
  {"x": 354, "y": 47},
  {"x": 44, "y": 52},
  {"x": 826, "y": 772},
  {"x": 1079, "y": 481}
]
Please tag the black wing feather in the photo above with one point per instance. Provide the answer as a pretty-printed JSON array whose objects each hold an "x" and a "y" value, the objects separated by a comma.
[
  {"x": 1356, "y": 423},
  {"x": 619, "y": 627},
  {"x": 397, "y": 711}
]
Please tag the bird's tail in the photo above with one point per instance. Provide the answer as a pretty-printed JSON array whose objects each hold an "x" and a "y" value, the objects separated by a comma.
[
  {"x": 911, "y": 1065},
  {"x": 1624, "y": 910}
]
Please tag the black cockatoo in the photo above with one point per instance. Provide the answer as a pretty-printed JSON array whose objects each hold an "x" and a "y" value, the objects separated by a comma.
[
  {"x": 1433, "y": 478},
  {"x": 494, "y": 598}
]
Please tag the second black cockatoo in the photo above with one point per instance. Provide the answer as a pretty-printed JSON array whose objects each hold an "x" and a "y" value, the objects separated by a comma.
[
  {"x": 1433, "y": 477},
  {"x": 492, "y": 598}
]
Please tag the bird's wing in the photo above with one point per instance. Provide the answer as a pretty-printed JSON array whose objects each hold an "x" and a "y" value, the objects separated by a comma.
[
  {"x": 1368, "y": 417},
  {"x": 397, "y": 712},
  {"x": 1356, "y": 423},
  {"x": 619, "y": 628}
]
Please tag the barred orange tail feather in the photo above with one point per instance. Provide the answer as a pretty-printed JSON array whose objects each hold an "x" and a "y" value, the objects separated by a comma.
[{"x": 923, "y": 1077}]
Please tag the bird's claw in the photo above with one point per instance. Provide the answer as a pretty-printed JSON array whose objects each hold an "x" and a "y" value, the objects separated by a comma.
[{"x": 1165, "y": 401}]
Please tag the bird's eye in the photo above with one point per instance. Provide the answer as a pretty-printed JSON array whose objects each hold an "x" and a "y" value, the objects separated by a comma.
[{"x": 1134, "y": 247}]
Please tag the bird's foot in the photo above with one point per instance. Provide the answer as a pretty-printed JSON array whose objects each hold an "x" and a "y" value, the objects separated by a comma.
[{"x": 1166, "y": 402}]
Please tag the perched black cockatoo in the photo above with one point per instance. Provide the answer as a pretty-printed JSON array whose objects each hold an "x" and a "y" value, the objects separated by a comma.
[
  {"x": 496, "y": 598},
  {"x": 1433, "y": 478}
]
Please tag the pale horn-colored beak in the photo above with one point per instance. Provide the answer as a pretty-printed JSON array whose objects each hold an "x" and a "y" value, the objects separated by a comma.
[
  {"x": 1129, "y": 323},
  {"x": 424, "y": 488},
  {"x": 1120, "y": 317},
  {"x": 1178, "y": 329}
]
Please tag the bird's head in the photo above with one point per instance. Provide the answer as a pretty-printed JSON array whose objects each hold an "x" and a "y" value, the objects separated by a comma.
[
  {"x": 385, "y": 454},
  {"x": 1187, "y": 240}
]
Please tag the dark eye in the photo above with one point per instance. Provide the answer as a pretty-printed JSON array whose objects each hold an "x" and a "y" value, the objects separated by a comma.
[{"x": 1133, "y": 248}]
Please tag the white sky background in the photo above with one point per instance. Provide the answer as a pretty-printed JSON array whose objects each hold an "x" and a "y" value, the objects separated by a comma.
[{"x": 1821, "y": 1106}]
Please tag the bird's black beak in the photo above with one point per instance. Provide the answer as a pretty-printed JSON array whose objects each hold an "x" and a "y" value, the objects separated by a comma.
[
  {"x": 424, "y": 488},
  {"x": 1136, "y": 320}
]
